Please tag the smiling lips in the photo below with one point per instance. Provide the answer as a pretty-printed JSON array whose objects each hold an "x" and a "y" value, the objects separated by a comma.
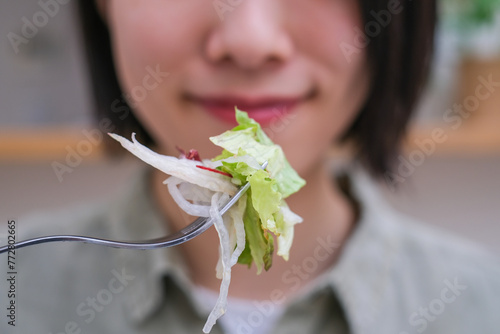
[{"x": 263, "y": 110}]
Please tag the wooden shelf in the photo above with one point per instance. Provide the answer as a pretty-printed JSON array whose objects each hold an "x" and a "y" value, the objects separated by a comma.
[
  {"x": 48, "y": 144},
  {"x": 466, "y": 141},
  {"x": 41, "y": 144}
]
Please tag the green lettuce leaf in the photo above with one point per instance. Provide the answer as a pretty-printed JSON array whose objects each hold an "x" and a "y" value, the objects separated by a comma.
[
  {"x": 246, "y": 148},
  {"x": 260, "y": 245},
  {"x": 249, "y": 138}
]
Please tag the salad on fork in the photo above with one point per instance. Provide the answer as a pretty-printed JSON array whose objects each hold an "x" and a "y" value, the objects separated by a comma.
[{"x": 248, "y": 230}]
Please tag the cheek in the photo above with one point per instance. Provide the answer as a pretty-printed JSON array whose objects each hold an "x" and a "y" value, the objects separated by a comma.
[
  {"x": 322, "y": 26},
  {"x": 162, "y": 33},
  {"x": 342, "y": 84},
  {"x": 343, "y": 81}
]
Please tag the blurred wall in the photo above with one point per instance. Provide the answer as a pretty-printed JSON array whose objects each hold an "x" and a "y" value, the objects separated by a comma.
[{"x": 42, "y": 79}]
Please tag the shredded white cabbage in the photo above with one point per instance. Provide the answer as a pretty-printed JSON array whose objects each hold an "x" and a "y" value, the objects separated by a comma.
[
  {"x": 238, "y": 228},
  {"x": 190, "y": 208},
  {"x": 201, "y": 193},
  {"x": 184, "y": 169},
  {"x": 225, "y": 256}
]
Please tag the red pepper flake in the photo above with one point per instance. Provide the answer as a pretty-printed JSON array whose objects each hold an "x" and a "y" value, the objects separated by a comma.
[
  {"x": 214, "y": 170},
  {"x": 192, "y": 155}
]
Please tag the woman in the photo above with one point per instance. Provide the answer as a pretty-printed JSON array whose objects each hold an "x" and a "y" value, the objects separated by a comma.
[{"x": 312, "y": 73}]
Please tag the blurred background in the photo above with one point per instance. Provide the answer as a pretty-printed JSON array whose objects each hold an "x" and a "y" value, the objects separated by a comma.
[{"x": 448, "y": 175}]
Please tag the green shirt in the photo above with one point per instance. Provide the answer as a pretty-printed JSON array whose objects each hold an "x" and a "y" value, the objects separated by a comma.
[{"x": 395, "y": 276}]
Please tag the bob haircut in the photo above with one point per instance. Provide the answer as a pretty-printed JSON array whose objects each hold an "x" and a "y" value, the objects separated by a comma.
[{"x": 398, "y": 36}]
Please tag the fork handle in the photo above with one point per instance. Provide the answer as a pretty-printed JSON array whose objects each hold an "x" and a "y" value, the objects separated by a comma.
[
  {"x": 194, "y": 229},
  {"x": 198, "y": 226}
]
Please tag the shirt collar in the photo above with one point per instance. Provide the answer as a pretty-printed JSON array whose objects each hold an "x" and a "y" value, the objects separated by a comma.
[{"x": 360, "y": 277}]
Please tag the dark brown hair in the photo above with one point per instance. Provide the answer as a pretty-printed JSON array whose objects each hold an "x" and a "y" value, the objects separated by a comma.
[{"x": 399, "y": 39}]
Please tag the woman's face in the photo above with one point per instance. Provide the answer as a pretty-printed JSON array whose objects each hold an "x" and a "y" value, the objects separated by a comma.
[{"x": 280, "y": 61}]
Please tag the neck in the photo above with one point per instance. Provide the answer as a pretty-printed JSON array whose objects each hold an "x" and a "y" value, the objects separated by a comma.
[{"x": 328, "y": 219}]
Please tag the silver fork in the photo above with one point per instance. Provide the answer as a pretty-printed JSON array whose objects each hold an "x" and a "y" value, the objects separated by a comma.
[{"x": 197, "y": 227}]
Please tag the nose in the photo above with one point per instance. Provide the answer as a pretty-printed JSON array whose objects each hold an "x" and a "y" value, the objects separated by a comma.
[{"x": 250, "y": 35}]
